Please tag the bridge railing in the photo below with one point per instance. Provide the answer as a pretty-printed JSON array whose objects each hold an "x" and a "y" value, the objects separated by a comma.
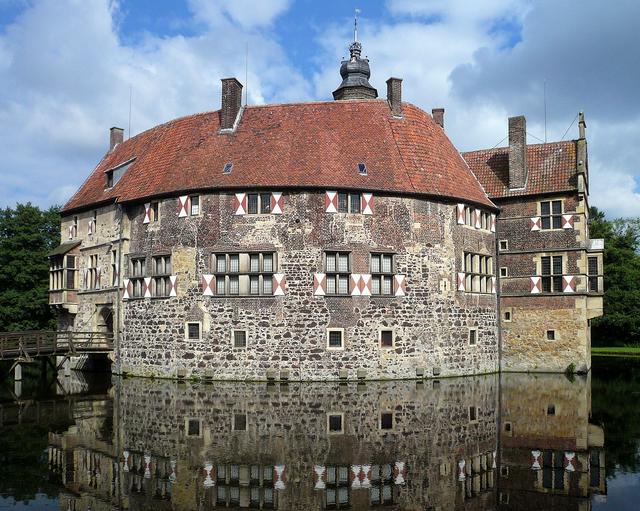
[{"x": 43, "y": 343}]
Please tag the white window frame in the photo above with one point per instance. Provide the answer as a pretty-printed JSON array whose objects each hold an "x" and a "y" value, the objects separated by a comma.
[
  {"x": 332, "y": 414},
  {"x": 393, "y": 420},
  {"x": 186, "y": 330},
  {"x": 186, "y": 427},
  {"x": 333, "y": 348},
  {"x": 233, "y": 338},
  {"x": 393, "y": 338},
  {"x": 191, "y": 197},
  {"x": 475, "y": 342}
]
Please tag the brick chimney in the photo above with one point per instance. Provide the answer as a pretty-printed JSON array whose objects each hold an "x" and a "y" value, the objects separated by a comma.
[
  {"x": 517, "y": 152},
  {"x": 394, "y": 96},
  {"x": 438, "y": 116},
  {"x": 582, "y": 126},
  {"x": 116, "y": 136},
  {"x": 231, "y": 102}
]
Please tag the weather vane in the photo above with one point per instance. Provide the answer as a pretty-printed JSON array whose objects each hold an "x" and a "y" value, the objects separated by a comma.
[{"x": 355, "y": 26}]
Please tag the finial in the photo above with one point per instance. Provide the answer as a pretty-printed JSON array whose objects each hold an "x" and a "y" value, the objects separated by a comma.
[{"x": 355, "y": 26}]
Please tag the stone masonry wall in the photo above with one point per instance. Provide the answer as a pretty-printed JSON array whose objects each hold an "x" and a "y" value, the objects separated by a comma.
[{"x": 431, "y": 323}]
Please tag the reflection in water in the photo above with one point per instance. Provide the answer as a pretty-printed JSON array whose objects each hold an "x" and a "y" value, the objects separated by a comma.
[{"x": 494, "y": 442}]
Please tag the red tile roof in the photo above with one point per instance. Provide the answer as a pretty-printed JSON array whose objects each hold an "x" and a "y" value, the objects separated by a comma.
[
  {"x": 551, "y": 168},
  {"x": 294, "y": 145}
]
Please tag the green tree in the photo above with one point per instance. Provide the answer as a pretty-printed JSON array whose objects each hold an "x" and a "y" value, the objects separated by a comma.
[
  {"x": 27, "y": 234},
  {"x": 620, "y": 324}
]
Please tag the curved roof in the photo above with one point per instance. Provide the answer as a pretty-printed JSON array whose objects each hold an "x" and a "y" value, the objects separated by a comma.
[{"x": 305, "y": 145}]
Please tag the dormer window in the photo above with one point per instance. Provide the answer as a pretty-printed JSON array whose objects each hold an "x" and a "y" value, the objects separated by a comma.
[
  {"x": 114, "y": 174},
  {"x": 362, "y": 169},
  {"x": 228, "y": 167}
]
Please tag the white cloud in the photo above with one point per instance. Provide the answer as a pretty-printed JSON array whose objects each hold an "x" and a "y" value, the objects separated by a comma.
[{"x": 248, "y": 13}]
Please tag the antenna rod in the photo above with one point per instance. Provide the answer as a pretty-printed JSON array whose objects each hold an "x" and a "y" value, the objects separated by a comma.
[
  {"x": 129, "y": 129},
  {"x": 545, "y": 111},
  {"x": 246, "y": 75}
]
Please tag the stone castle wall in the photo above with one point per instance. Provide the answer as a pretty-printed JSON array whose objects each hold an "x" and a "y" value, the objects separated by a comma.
[{"x": 431, "y": 323}]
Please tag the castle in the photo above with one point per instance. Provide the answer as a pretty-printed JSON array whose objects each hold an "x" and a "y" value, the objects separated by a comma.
[{"x": 330, "y": 240}]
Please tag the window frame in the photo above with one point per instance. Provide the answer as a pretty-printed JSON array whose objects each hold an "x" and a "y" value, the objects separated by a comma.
[
  {"x": 342, "y": 339},
  {"x": 349, "y": 197},
  {"x": 187, "y": 333},
  {"x": 342, "y": 428},
  {"x": 393, "y": 338},
  {"x": 262, "y": 203},
  {"x": 472, "y": 334},
  {"x": 245, "y": 274},
  {"x": 161, "y": 278},
  {"x": 478, "y": 281},
  {"x": 199, "y": 201},
  {"x": 551, "y": 282},
  {"x": 336, "y": 274},
  {"x": 551, "y": 217},
  {"x": 233, "y": 338},
  {"x": 137, "y": 278},
  {"x": 381, "y": 276}
]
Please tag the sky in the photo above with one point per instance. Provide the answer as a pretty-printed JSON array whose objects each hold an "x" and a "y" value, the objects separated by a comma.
[{"x": 68, "y": 69}]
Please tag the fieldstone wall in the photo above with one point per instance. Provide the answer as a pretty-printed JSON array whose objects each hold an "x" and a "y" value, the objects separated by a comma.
[{"x": 431, "y": 323}]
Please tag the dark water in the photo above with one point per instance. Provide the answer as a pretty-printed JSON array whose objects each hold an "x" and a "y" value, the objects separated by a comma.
[{"x": 517, "y": 442}]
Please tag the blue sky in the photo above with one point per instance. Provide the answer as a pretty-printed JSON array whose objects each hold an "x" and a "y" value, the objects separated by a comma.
[{"x": 66, "y": 68}]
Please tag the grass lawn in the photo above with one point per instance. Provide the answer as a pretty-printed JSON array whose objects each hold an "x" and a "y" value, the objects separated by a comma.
[{"x": 619, "y": 351}]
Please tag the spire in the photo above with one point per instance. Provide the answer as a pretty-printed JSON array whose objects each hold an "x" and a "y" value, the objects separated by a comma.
[{"x": 355, "y": 72}]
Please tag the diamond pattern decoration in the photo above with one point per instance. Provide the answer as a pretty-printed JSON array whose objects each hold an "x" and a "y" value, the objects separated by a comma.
[
  {"x": 568, "y": 284},
  {"x": 535, "y": 223},
  {"x": 147, "y": 213},
  {"x": 240, "y": 204},
  {"x": 331, "y": 202},
  {"x": 493, "y": 222},
  {"x": 400, "y": 472},
  {"x": 208, "y": 285},
  {"x": 366, "y": 203},
  {"x": 536, "y": 285},
  {"x": 461, "y": 282},
  {"x": 319, "y": 284},
  {"x": 127, "y": 289},
  {"x": 460, "y": 214},
  {"x": 208, "y": 479},
  {"x": 277, "y": 203},
  {"x": 173, "y": 289},
  {"x": 90, "y": 227},
  {"x": 279, "y": 284},
  {"x": 183, "y": 206},
  {"x": 146, "y": 287},
  {"x": 493, "y": 285},
  {"x": 567, "y": 221},
  {"x": 319, "y": 477},
  {"x": 570, "y": 461},
  {"x": 536, "y": 458},
  {"x": 360, "y": 284},
  {"x": 71, "y": 232},
  {"x": 279, "y": 477},
  {"x": 399, "y": 285},
  {"x": 477, "y": 215},
  {"x": 462, "y": 473}
]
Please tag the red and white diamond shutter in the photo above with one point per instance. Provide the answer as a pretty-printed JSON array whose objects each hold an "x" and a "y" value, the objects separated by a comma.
[
  {"x": 536, "y": 285},
  {"x": 568, "y": 284},
  {"x": 331, "y": 202},
  {"x": 208, "y": 284},
  {"x": 277, "y": 203},
  {"x": 319, "y": 284},
  {"x": 90, "y": 227},
  {"x": 493, "y": 285},
  {"x": 478, "y": 218},
  {"x": 366, "y": 203},
  {"x": 360, "y": 284},
  {"x": 71, "y": 232},
  {"x": 319, "y": 477},
  {"x": 146, "y": 288},
  {"x": 127, "y": 289},
  {"x": 173, "y": 285},
  {"x": 147, "y": 213},
  {"x": 493, "y": 222},
  {"x": 399, "y": 285},
  {"x": 567, "y": 221},
  {"x": 240, "y": 204},
  {"x": 460, "y": 214},
  {"x": 183, "y": 206},
  {"x": 535, "y": 223},
  {"x": 461, "y": 281},
  {"x": 279, "y": 284}
]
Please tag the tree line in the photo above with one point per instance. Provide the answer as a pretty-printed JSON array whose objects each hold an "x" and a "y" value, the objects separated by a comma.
[{"x": 28, "y": 233}]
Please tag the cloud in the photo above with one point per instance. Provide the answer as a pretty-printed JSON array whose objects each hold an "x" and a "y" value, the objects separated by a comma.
[
  {"x": 64, "y": 80},
  {"x": 247, "y": 13}
]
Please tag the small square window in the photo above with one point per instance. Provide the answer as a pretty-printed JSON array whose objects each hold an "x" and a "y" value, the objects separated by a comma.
[
  {"x": 335, "y": 422},
  {"x": 473, "y": 413},
  {"x": 239, "y": 338},
  {"x": 362, "y": 169},
  {"x": 473, "y": 336},
  {"x": 507, "y": 315},
  {"x": 193, "y": 331},
  {"x": 386, "y": 420},
  {"x": 239, "y": 422},
  {"x": 551, "y": 335},
  {"x": 228, "y": 167},
  {"x": 335, "y": 339},
  {"x": 386, "y": 338},
  {"x": 193, "y": 427},
  {"x": 508, "y": 427},
  {"x": 551, "y": 409},
  {"x": 504, "y": 271},
  {"x": 504, "y": 245}
]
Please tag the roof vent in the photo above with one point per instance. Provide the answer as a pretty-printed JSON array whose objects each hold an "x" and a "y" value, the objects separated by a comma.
[
  {"x": 362, "y": 169},
  {"x": 228, "y": 167}
]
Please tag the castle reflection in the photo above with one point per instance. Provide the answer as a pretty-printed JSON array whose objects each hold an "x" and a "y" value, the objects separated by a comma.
[{"x": 495, "y": 442}]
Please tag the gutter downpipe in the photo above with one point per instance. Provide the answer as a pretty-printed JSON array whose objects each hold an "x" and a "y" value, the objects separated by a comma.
[{"x": 116, "y": 343}]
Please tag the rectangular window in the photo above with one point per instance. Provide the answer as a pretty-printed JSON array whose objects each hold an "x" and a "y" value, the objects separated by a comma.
[
  {"x": 137, "y": 271},
  {"x": 592, "y": 270},
  {"x": 338, "y": 271},
  {"x": 551, "y": 271},
  {"x": 154, "y": 211},
  {"x": 386, "y": 338},
  {"x": 161, "y": 271},
  {"x": 92, "y": 280},
  {"x": 473, "y": 337},
  {"x": 258, "y": 203},
  {"x": 239, "y": 422},
  {"x": 504, "y": 245},
  {"x": 194, "y": 200},
  {"x": 349, "y": 202},
  {"x": 551, "y": 214},
  {"x": 193, "y": 427},
  {"x": 386, "y": 420},
  {"x": 473, "y": 413},
  {"x": 114, "y": 267},
  {"x": 478, "y": 270},
  {"x": 504, "y": 271},
  {"x": 551, "y": 335},
  {"x": 244, "y": 274},
  {"x": 335, "y": 423},
  {"x": 193, "y": 331},
  {"x": 239, "y": 339},
  {"x": 335, "y": 339},
  {"x": 381, "y": 267},
  {"x": 71, "y": 272}
]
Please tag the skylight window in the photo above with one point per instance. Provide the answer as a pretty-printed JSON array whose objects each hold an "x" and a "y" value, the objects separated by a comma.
[
  {"x": 362, "y": 169},
  {"x": 228, "y": 167},
  {"x": 113, "y": 175}
]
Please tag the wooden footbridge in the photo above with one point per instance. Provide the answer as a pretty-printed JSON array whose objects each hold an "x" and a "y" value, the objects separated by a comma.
[{"x": 30, "y": 346}]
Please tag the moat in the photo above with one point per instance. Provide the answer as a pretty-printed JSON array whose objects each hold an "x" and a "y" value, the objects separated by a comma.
[{"x": 509, "y": 441}]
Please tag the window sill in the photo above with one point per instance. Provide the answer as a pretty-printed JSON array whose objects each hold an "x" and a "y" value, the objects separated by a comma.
[{"x": 235, "y": 297}]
